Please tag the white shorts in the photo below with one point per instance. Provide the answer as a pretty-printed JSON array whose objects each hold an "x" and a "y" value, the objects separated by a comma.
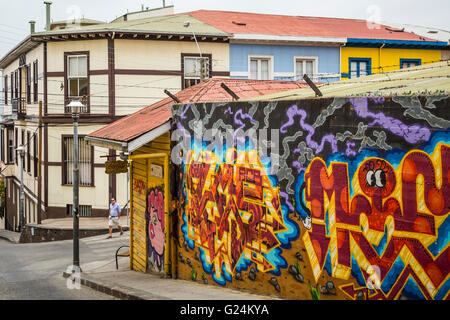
[{"x": 114, "y": 221}]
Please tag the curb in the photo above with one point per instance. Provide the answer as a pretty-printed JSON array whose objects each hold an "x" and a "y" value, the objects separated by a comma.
[
  {"x": 10, "y": 239},
  {"x": 112, "y": 289}
]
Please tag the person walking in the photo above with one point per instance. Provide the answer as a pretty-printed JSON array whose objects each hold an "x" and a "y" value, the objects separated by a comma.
[{"x": 114, "y": 216}]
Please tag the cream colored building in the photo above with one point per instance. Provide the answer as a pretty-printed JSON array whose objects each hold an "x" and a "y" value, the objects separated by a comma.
[{"x": 114, "y": 69}]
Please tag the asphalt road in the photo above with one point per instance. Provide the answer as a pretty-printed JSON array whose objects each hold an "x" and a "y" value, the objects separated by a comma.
[{"x": 34, "y": 271}]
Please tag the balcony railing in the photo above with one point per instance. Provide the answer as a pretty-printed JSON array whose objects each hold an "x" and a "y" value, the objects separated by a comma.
[
  {"x": 83, "y": 100},
  {"x": 19, "y": 106}
]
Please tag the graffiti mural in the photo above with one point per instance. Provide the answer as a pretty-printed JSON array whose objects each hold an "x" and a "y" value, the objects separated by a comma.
[
  {"x": 155, "y": 227},
  {"x": 344, "y": 198},
  {"x": 390, "y": 211},
  {"x": 233, "y": 210}
]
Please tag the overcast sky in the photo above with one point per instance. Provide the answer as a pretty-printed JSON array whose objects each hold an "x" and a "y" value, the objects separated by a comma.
[{"x": 15, "y": 14}]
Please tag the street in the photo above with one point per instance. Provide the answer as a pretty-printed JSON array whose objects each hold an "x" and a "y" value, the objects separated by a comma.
[{"x": 34, "y": 271}]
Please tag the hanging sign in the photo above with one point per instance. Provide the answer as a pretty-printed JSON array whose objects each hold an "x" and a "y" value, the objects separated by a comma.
[{"x": 114, "y": 167}]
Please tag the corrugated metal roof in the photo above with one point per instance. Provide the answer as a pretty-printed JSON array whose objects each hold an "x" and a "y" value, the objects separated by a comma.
[
  {"x": 254, "y": 23},
  {"x": 141, "y": 122},
  {"x": 433, "y": 78}
]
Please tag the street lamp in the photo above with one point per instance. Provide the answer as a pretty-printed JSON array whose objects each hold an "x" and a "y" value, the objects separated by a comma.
[
  {"x": 75, "y": 106},
  {"x": 21, "y": 151},
  {"x": 187, "y": 24}
]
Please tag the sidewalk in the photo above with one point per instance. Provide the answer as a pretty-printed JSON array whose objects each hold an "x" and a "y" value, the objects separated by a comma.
[
  {"x": 91, "y": 223},
  {"x": 133, "y": 285},
  {"x": 11, "y": 236}
]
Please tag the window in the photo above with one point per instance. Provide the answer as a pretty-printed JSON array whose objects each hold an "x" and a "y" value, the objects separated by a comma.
[
  {"x": 35, "y": 156},
  {"x": 10, "y": 144},
  {"x": 85, "y": 162},
  {"x": 28, "y": 82},
  {"x": 16, "y": 144},
  {"x": 12, "y": 86},
  {"x": 6, "y": 89},
  {"x": 28, "y": 142},
  {"x": 408, "y": 63},
  {"x": 360, "y": 67},
  {"x": 23, "y": 144},
  {"x": 77, "y": 76},
  {"x": 260, "y": 68},
  {"x": 2, "y": 145},
  {"x": 195, "y": 69},
  {"x": 84, "y": 211},
  {"x": 16, "y": 85},
  {"x": 35, "y": 81},
  {"x": 304, "y": 66}
]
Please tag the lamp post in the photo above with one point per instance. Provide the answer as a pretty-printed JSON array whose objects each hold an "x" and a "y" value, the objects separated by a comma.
[
  {"x": 75, "y": 106},
  {"x": 21, "y": 150},
  {"x": 187, "y": 24}
]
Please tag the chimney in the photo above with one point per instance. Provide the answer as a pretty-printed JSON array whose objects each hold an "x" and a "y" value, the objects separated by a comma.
[
  {"x": 47, "y": 16},
  {"x": 32, "y": 24}
]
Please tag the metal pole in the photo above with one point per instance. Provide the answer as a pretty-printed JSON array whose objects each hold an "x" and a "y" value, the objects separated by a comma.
[
  {"x": 128, "y": 196},
  {"x": 21, "y": 199},
  {"x": 76, "y": 251}
]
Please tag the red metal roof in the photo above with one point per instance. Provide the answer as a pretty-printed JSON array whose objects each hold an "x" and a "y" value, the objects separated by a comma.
[
  {"x": 255, "y": 23},
  {"x": 148, "y": 118}
]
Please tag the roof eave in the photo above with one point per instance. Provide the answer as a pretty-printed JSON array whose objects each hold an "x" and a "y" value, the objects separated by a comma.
[
  {"x": 291, "y": 39},
  {"x": 131, "y": 145},
  {"x": 107, "y": 143},
  {"x": 4, "y": 61}
]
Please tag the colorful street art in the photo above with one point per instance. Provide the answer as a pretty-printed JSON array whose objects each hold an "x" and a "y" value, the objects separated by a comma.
[
  {"x": 392, "y": 219},
  {"x": 233, "y": 210},
  {"x": 357, "y": 208},
  {"x": 155, "y": 227}
]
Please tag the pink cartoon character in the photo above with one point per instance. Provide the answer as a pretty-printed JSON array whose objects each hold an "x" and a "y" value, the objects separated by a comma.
[{"x": 155, "y": 216}]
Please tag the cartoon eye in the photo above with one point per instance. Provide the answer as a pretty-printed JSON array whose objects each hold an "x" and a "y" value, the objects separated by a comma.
[
  {"x": 370, "y": 178},
  {"x": 154, "y": 220},
  {"x": 380, "y": 178}
]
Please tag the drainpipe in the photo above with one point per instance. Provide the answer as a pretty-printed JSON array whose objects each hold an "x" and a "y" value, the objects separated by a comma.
[
  {"x": 47, "y": 14},
  {"x": 32, "y": 26}
]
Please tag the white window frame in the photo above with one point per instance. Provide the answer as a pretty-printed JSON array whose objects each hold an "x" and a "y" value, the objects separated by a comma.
[
  {"x": 315, "y": 60},
  {"x": 197, "y": 78},
  {"x": 261, "y": 57},
  {"x": 69, "y": 77}
]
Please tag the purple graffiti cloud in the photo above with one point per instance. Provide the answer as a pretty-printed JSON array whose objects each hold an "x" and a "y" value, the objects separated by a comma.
[
  {"x": 183, "y": 115},
  {"x": 286, "y": 199},
  {"x": 243, "y": 117},
  {"x": 228, "y": 111},
  {"x": 297, "y": 165},
  {"x": 349, "y": 152},
  {"x": 412, "y": 134},
  {"x": 295, "y": 111}
]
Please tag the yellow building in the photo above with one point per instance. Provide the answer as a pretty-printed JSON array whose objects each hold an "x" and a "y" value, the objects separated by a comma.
[{"x": 360, "y": 57}]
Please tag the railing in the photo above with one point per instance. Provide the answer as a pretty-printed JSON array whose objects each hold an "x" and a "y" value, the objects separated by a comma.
[
  {"x": 19, "y": 106},
  {"x": 82, "y": 99}
]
